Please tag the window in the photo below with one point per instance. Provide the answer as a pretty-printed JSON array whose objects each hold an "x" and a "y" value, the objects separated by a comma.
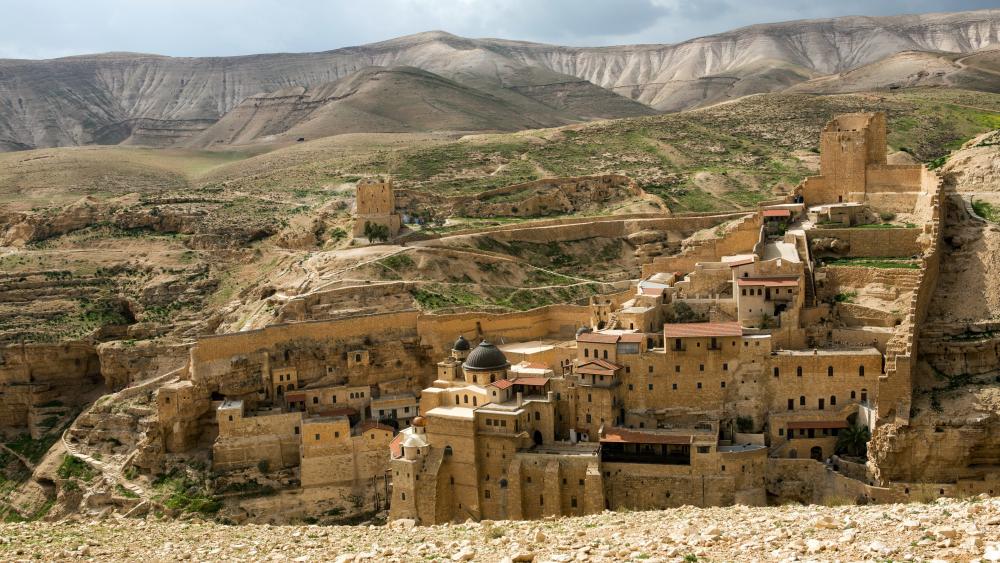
[
  {"x": 357, "y": 357},
  {"x": 336, "y": 434},
  {"x": 475, "y": 401},
  {"x": 538, "y": 415},
  {"x": 704, "y": 449},
  {"x": 791, "y": 404},
  {"x": 581, "y": 482},
  {"x": 701, "y": 367},
  {"x": 402, "y": 496},
  {"x": 590, "y": 398},
  {"x": 572, "y": 502},
  {"x": 588, "y": 418},
  {"x": 541, "y": 500},
  {"x": 744, "y": 292},
  {"x": 317, "y": 436},
  {"x": 833, "y": 400},
  {"x": 630, "y": 387},
  {"x": 723, "y": 384},
  {"x": 465, "y": 399},
  {"x": 605, "y": 354},
  {"x": 674, "y": 386},
  {"x": 406, "y": 409},
  {"x": 486, "y": 493},
  {"x": 781, "y": 432},
  {"x": 456, "y": 399},
  {"x": 699, "y": 385},
  {"x": 527, "y": 479},
  {"x": 650, "y": 369},
  {"x": 798, "y": 371},
  {"x": 861, "y": 371},
  {"x": 296, "y": 429},
  {"x": 821, "y": 404},
  {"x": 315, "y": 400},
  {"x": 829, "y": 371},
  {"x": 230, "y": 418},
  {"x": 776, "y": 371},
  {"x": 853, "y": 395},
  {"x": 650, "y": 386},
  {"x": 677, "y": 369},
  {"x": 333, "y": 399},
  {"x": 725, "y": 367},
  {"x": 586, "y": 353},
  {"x": 802, "y": 400}
]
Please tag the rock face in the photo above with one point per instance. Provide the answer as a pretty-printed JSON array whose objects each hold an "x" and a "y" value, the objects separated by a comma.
[
  {"x": 946, "y": 530},
  {"x": 149, "y": 99}
]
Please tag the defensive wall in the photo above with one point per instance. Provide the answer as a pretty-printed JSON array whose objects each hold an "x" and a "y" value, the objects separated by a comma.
[{"x": 871, "y": 242}]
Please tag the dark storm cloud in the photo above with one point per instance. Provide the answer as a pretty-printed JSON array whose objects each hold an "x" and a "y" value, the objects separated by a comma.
[{"x": 50, "y": 28}]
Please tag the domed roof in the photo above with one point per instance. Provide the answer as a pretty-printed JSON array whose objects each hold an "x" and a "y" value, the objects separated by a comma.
[
  {"x": 486, "y": 357},
  {"x": 461, "y": 344},
  {"x": 414, "y": 441},
  {"x": 419, "y": 421},
  {"x": 583, "y": 330}
]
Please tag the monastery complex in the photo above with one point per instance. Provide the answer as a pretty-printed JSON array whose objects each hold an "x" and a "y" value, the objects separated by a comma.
[{"x": 728, "y": 373}]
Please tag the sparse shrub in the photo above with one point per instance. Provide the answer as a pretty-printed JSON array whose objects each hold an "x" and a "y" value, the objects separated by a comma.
[{"x": 887, "y": 216}]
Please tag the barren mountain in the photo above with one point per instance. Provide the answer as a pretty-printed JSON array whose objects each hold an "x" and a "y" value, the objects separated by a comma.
[
  {"x": 149, "y": 99},
  {"x": 378, "y": 100}
]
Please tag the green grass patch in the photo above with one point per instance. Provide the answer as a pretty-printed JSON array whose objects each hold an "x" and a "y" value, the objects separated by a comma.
[
  {"x": 987, "y": 211},
  {"x": 73, "y": 467},
  {"x": 887, "y": 263},
  {"x": 180, "y": 491}
]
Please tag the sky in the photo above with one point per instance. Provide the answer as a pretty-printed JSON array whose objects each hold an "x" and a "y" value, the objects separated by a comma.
[{"x": 38, "y": 29}]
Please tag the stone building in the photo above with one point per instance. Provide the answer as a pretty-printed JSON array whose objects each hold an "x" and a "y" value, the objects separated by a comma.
[
  {"x": 376, "y": 204},
  {"x": 726, "y": 362}
]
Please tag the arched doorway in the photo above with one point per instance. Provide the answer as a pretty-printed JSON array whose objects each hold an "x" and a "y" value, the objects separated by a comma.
[
  {"x": 816, "y": 453},
  {"x": 537, "y": 437}
]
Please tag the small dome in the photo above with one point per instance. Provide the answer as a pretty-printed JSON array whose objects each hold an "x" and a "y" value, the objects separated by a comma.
[
  {"x": 486, "y": 357},
  {"x": 462, "y": 345},
  {"x": 418, "y": 421},
  {"x": 414, "y": 441},
  {"x": 583, "y": 330}
]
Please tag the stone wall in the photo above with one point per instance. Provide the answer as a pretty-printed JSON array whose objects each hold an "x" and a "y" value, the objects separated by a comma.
[{"x": 867, "y": 242}]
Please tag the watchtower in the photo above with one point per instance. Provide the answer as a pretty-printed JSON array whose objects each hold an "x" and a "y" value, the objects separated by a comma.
[{"x": 376, "y": 204}]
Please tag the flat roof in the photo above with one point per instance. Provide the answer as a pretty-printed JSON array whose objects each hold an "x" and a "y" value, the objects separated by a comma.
[
  {"x": 777, "y": 213},
  {"x": 683, "y": 330},
  {"x": 598, "y": 338},
  {"x": 451, "y": 412},
  {"x": 866, "y": 351},
  {"x": 626, "y": 436},
  {"x": 816, "y": 424},
  {"x": 768, "y": 282},
  {"x": 531, "y": 381},
  {"x": 782, "y": 250}
]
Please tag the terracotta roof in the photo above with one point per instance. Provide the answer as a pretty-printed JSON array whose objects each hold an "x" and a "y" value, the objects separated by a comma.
[
  {"x": 682, "y": 330},
  {"x": 366, "y": 426},
  {"x": 598, "y": 338},
  {"x": 600, "y": 367},
  {"x": 626, "y": 436},
  {"x": 768, "y": 282},
  {"x": 295, "y": 397},
  {"x": 816, "y": 424},
  {"x": 395, "y": 446},
  {"x": 502, "y": 384},
  {"x": 531, "y": 381},
  {"x": 777, "y": 213},
  {"x": 633, "y": 337}
]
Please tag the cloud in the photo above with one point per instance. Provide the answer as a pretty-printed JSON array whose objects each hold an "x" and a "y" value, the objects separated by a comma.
[{"x": 52, "y": 28}]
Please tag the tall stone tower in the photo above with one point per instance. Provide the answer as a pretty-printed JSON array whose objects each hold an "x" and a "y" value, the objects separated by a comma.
[
  {"x": 849, "y": 144},
  {"x": 376, "y": 204}
]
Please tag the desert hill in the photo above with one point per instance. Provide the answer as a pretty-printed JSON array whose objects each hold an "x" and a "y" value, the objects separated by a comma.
[
  {"x": 379, "y": 100},
  {"x": 149, "y": 99}
]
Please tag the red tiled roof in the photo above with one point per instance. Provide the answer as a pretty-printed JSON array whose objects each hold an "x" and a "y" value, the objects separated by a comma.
[
  {"x": 682, "y": 330},
  {"x": 777, "y": 213},
  {"x": 502, "y": 384},
  {"x": 295, "y": 397},
  {"x": 396, "y": 446},
  {"x": 531, "y": 381},
  {"x": 600, "y": 367},
  {"x": 633, "y": 337},
  {"x": 816, "y": 424},
  {"x": 366, "y": 426},
  {"x": 768, "y": 282},
  {"x": 626, "y": 436},
  {"x": 597, "y": 338}
]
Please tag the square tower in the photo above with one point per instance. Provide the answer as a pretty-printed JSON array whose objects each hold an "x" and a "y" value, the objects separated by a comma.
[
  {"x": 376, "y": 204},
  {"x": 850, "y": 143}
]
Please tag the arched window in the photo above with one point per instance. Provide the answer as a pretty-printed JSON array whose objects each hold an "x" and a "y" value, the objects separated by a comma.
[
  {"x": 605, "y": 354},
  {"x": 829, "y": 371},
  {"x": 802, "y": 400},
  {"x": 447, "y": 450},
  {"x": 833, "y": 400},
  {"x": 854, "y": 395},
  {"x": 798, "y": 371},
  {"x": 503, "y": 483},
  {"x": 861, "y": 371},
  {"x": 586, "y": 352}
]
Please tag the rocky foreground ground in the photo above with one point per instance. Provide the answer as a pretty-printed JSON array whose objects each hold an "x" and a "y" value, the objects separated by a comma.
[{"x": 945, "y": 530}]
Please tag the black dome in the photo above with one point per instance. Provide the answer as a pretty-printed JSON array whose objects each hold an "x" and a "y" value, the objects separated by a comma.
[
  {"x": 461, "y": 344},
  {"x": 485, "y": 357}
]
